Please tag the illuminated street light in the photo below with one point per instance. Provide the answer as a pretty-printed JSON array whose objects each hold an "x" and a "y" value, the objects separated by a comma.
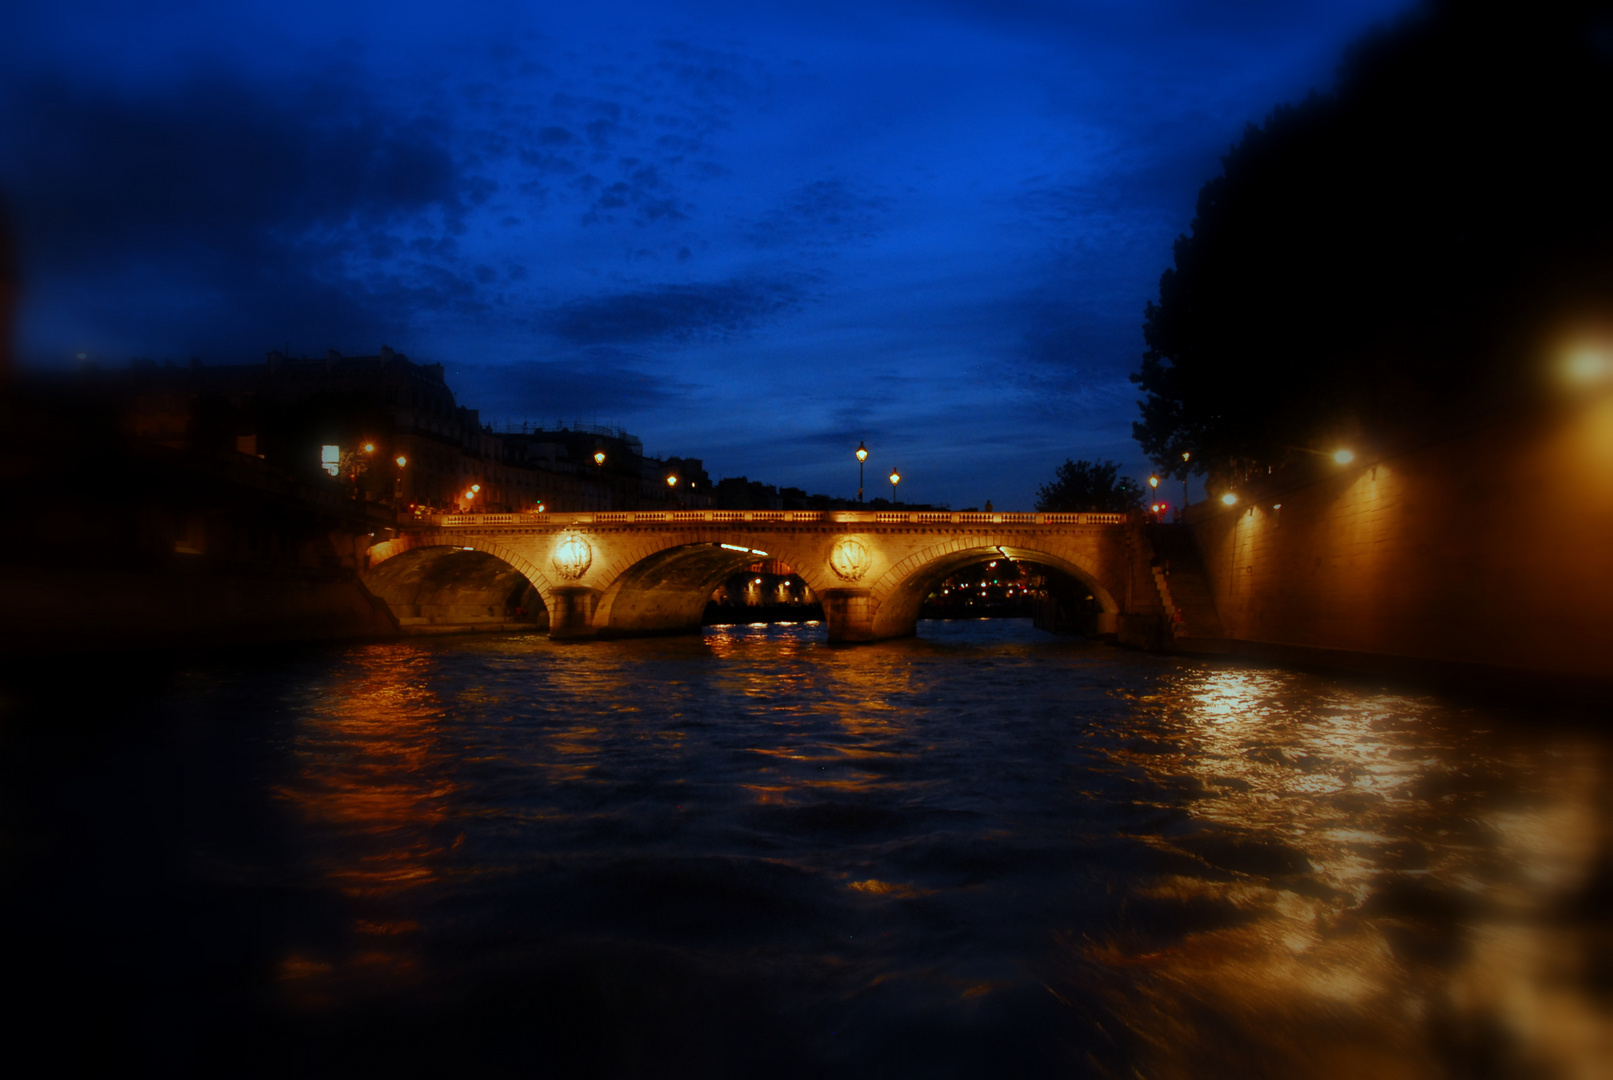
[
  {"x": 862, "y": 456},
  {"x": 1343, "y": 457},
  {"x": 895, "y": 478},
  {"x": 1230, "y": 499},
  {"x": 1587, "y": 364},
  {"x": 599, "y": 457},
  {"x": 402, "y": 461},
  {"x": 672, "y": 481},
  {"x": 475, "y": 488},
  {"x": 369, "y": 448}
]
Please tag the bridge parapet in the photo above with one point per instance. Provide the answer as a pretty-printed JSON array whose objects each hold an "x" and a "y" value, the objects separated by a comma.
[{"x": 801, "y": 517}]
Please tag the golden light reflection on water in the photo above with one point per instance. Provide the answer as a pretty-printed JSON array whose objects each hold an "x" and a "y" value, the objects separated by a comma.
[
  {"x": 1393, "y": 916},
  {"x": 372, "y": 781}
]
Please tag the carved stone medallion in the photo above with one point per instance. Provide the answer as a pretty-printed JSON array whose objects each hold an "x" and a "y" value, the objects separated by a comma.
[
  {"x": 572, "y": 556},
  {"x": 850, "y": 559}
]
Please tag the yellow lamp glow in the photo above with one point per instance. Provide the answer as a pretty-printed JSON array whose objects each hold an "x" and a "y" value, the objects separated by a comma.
[
  {"x": 402, "y": 461},
  {"x": 1229, "y": 498},
  {"x": 599, "y": 457},
  {"x": 672, "y": 481},
  {"x": 476, "y": 487},
  {"x": 895, "y": 476},
  {"x": 1343, "y": 457},
  {"x": 1587, "y": 364},
  {"x": 369, "y": 448},
  {"x": 862, "y": 452}
]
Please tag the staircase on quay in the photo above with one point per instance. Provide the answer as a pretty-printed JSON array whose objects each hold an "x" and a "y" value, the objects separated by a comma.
[{"x": 1194, "y": 625}]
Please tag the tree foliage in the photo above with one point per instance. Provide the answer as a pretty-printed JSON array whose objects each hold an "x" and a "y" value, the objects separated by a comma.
[
  {"x": 1087, "y": 487},
  {"x": 1402, "y": 246}
]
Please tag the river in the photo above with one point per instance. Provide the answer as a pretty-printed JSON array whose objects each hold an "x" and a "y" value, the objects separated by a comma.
[{"x": 986, "y": 851}]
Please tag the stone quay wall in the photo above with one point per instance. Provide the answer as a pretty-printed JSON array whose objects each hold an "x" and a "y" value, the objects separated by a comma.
[{"x": 1483, "y": 554}]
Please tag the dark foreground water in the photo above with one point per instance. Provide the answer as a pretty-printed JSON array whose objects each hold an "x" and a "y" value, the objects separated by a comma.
[{"x": 986, "y": 852}]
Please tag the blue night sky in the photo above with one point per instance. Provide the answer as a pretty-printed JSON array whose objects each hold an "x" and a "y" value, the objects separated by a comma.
[{"x": 752, "y": 237}]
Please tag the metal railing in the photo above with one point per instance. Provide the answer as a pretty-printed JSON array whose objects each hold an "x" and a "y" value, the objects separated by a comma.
[{"x": 801, "y": 517}]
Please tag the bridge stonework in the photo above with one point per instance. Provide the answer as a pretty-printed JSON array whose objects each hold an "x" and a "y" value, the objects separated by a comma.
[{"x": 623, "y": 574}]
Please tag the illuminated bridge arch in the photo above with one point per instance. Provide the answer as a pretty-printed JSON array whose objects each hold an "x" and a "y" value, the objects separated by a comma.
[
  {"x": 896, "y": 596},
  {"x": 662, "y": 583},
  {"x": 443, "y": 580}
]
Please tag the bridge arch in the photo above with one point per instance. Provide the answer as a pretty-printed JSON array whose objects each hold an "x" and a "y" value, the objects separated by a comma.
[
  {"x": 663, "y": 583},
  {"x": 896, "y": 596},
  {"x": 441, "y": 581}
]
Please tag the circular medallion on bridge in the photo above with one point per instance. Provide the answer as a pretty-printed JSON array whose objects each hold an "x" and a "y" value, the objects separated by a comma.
[
  {"x": 850, "y": 559},
  {"x": 572, "y": 556}
]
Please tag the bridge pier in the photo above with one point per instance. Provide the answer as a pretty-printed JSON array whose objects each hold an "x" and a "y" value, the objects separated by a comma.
[
  {"x": 849, "y": 614},
  {"x": 571, "y": 612}
]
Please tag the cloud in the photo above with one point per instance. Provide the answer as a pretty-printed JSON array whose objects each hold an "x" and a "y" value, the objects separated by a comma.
[
  {"x": 597, "y": 384},
  {"x": 215, "y": 158},
  {"x": 672, "y": 312},
  {"x": 212, "y": 214},
  {"x": 822, "y": 213}
]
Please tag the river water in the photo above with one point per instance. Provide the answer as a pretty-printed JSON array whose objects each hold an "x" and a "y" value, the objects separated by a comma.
[{"x": 986, "y": 851}]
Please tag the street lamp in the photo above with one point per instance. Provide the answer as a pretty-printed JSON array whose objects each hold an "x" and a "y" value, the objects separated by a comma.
[
  {"x": 397, "y": 484},
  {"x": 895, "y": 478},
  {"x": 599, "y": 457},
  {"x": 1185, "y": 456},
  {"x": 1153, "y": 482},
  {"x": 862, "y": 456}
]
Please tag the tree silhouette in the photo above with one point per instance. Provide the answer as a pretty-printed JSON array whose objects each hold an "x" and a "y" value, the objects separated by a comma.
[
  {"x": 1404, "y": 246},
  {"x": 1088, "y": 486}
]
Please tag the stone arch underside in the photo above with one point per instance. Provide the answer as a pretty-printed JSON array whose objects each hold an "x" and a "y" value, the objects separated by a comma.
[
  {"x": 896, "y": 597},
  {"x": 440, "y": 587},
  {"x": 664, "y": 584}
]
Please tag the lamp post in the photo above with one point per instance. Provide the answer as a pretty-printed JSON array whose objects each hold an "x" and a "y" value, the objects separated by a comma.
[
  {"x": 1153, "y": 482},
  {"x": 397, "y": 485},
  {"x": 1185, "y": 456},
  {"x": 895, "y": 478},
  {"x": 862, "y": 456}
]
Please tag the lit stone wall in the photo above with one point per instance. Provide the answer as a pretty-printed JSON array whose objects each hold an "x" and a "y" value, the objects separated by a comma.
[{"x": 1492, "y": 547}]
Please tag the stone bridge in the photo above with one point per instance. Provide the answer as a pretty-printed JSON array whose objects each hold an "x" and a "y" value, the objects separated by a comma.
[{"x": 621, "y": 574}]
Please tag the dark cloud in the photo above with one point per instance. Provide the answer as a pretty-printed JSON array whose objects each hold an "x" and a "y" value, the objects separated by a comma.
[
  {"x": 214, "y": 214},
  {"x": 672, "y": 312},
  {"x": 214, "y": 159},
  {"x": 598, "y": 384},
  {"x": 822, "y": 213},
  {"x": 556, "y": 136}
]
